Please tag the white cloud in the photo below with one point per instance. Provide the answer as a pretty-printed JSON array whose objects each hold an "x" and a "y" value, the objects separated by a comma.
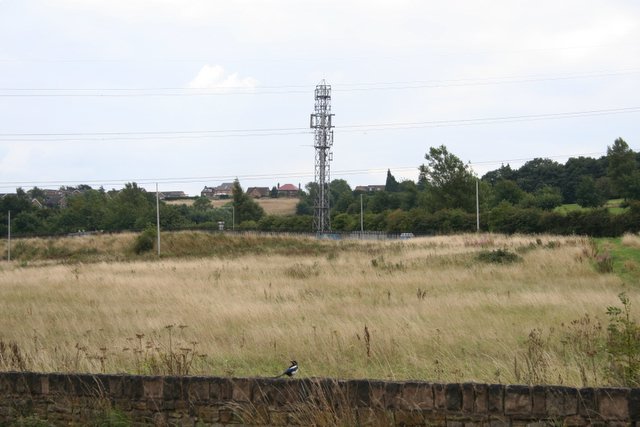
[{"x": 215, "y": 77}]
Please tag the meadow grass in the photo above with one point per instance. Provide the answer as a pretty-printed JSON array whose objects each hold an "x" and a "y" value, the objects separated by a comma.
[{"x": 424, "y": 308}]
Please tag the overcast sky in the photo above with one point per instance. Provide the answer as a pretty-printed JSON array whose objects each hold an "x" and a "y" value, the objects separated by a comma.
[{"x": 189, "y": 93}]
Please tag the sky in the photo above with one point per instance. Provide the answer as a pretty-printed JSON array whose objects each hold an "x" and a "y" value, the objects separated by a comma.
[{"x": 192, "y": 93}]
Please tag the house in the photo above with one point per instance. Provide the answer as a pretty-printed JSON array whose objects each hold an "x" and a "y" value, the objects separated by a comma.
[
  {"x": 288, "y": 190},
  {"x": 258, "y": 192},
  {"x": 171, "y": 195},
  {"x": 369, "y": 188},
  {"x": 223, "y": 191}
]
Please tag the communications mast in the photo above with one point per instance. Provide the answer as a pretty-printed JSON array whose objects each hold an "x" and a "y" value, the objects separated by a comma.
[{"x": 323, "y": 141}]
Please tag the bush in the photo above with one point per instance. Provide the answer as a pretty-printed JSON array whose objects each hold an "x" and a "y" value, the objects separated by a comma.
[
  {"x": 623, "y": 345},
  {"x": 499, "y": 256},
  {"x": 145, "y": 241}
]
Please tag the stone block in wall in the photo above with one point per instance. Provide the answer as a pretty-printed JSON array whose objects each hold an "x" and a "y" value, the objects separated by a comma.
[
  {"x": 300, "y": 390},
  {"x": 153, "y": 387},
  {"x": 439, "y": 397},
  {"x": 495, "y": 399},
  {"x": 270, "y": 392},
  {"x": 517, "y": 400},
  {"x": 90, "y": 385},
  {"x": 538, "y": 400},
  {"x": 174, "y": 388},
  {"x": 357, "y": 392},
  {"x": 575, "y": 421},
  {"x": 468, "y": 398},
  {"x": 613, "y": 403},
  {"x": 60, "y": 384},
  {"x": 405, "y": 417},
  {"x": 132, "y": 387},
  {"x": 393, "y": 395},
  {"x": 499, "y": 422},
  {"x": 220, "y": 389},
  {"x": 241, "y": 389},
  {"x": 374, "y": 417},
  {"x": 561, "y": 401},
  {"x": 481, "y": 399},
  {"x": 453, "y": 394},
  {"x": 417, "y": 395},
  {"x": 634, "y": 406},
  {"x": 114, "y": 385},
  {"x": 376, "y": 394},
  {"x": 197, "y": 389},
  {"x": 279, "y": 418},
  {"x": 206, "y": 412},
  {"x": 26, "y": 383},
  {"x": 327, "y": 394},
  {"x": 587, "y": 404}
]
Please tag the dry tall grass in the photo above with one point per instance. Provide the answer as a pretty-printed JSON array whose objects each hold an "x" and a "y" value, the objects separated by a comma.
[{"x": 430, "y": 309}]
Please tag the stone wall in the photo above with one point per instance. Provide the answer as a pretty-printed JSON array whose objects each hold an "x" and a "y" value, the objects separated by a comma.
[{"x": 65, "y": 399}]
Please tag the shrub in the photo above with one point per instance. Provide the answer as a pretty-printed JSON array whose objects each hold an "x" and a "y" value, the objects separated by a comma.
[
  {"x": 145, "y": 241},
  {"x": 498, "y": 256},
  {"x": 623, "y": 344}
]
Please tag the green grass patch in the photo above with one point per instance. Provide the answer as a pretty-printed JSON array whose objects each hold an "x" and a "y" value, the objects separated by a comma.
[
  {"x": 571, "y": 207},
  {"x": 626, "y": 259},
  {"x": 614, "y": 206}
]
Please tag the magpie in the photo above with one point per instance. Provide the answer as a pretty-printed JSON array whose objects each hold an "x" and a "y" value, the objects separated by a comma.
[{"x": 291, "y": 370}]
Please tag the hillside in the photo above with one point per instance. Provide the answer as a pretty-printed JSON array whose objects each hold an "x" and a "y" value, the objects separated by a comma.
[{"x": 280, "y": 206}]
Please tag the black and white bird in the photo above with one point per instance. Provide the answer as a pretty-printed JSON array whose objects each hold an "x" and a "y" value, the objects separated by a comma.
[{"x": 291, "y": 370}]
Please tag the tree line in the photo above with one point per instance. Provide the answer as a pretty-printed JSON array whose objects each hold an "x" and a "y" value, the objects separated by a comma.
[{"x": 441, "y": 200}]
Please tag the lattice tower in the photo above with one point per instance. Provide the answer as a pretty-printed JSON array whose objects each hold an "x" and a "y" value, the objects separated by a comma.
[{"x": 323, "y": 141}]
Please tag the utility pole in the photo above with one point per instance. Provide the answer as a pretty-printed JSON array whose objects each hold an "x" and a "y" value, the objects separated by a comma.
[
  {"x": 323, "y": 141},
  {"x": 158, "y": 216},
  {"x": 477, "y": 208},
  {"x": 361, "y": 216},
  {"x": 9, "y": 238}
]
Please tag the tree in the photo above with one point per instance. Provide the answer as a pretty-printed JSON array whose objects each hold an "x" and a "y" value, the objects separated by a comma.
[
  {"x": 538, "y": 173},
  {"x": 340, "y": 196},
  {"x": 246, "y": 209},
  {"x": 131, "y": 208},
  {"x": 506, "y": 190},
  {"x": 587, "y": 194},
  {"x": 575, "y": 169},
  {"x": 621, "y": 169},
  {"x": 500, "y": 174},
  {"x": 202, "y": 203},
  {"x": 548, "y": 197},
  {"x": 391, "y": 184},
  {"x": 449, "y": 182}
]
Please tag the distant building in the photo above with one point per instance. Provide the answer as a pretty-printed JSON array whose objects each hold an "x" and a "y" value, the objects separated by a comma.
[
  {"x": 369, "y": 188},
  {"x": 288, "y": 190},
  {"x": 171, "y": 195},
  {"x": 258, "y": 192},
  {"x": 223, "y": 191}
]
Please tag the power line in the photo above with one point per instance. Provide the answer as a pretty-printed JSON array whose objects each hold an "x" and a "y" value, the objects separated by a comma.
[
  {"x": 296, "y": 89},
  {"x": 260, "y": 132},
  {"x": 265, "y": 176}
]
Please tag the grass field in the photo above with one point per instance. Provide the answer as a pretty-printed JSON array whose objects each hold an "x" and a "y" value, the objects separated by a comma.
[
  {"x": 614, "y": 206},
  {"x": 279, "y": 206},
  {"x": 426, "y": 308}
]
